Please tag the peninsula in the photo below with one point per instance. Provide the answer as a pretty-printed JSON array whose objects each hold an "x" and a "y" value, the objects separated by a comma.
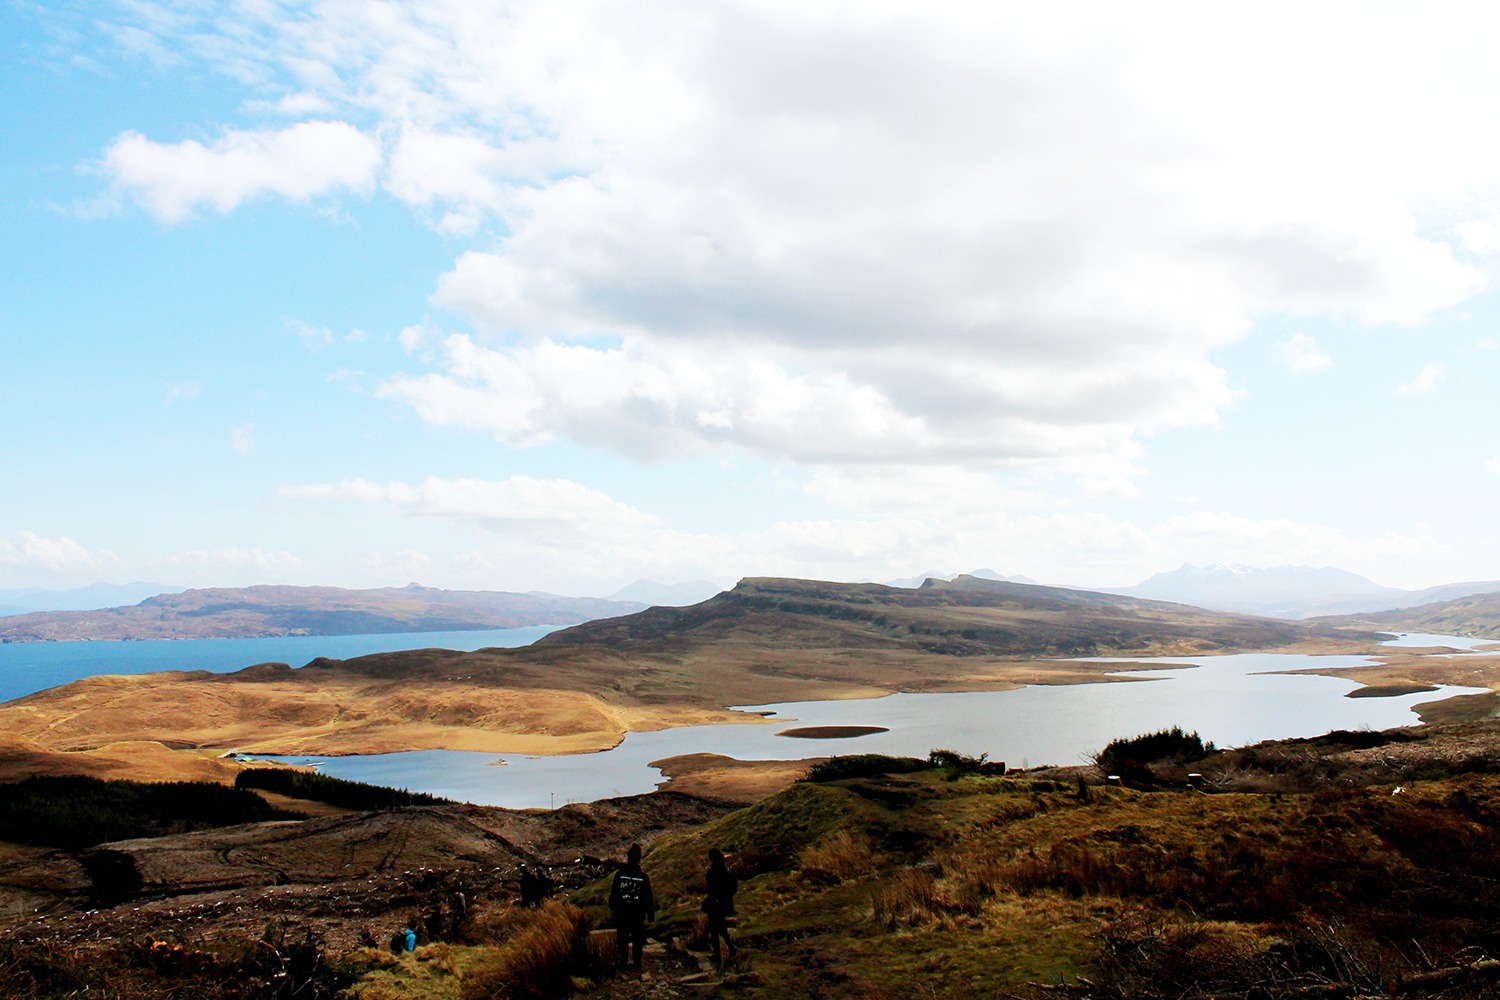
[{"x": 255, "y": 612}]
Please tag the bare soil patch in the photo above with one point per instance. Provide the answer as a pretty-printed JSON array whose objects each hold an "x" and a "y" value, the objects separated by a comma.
[{"x": 725, "y": 778}]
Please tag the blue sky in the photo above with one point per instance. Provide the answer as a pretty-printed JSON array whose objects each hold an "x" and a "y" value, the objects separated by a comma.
[{"x": 559, "y": 296}]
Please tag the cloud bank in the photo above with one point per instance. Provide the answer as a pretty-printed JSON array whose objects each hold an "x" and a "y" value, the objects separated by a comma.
[{"x": 976, "y": 234}]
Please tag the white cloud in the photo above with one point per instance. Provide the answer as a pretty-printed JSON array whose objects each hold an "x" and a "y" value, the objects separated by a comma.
[
  {"x": 649, "y": 399},
  {"x": 242, "y": 439},
  {"x": 299, "y": 162},
  {"x": 517, "y": 503},
  {"x": 406, "y": 564},
  {"x": 53, "y": 555},
  {"x": 319, "y": 337},
  {"x": 1300, "y": 354},
  {"x": 1493, "y": 465},
  {"x": 237, "y": 558},
  {"x": 994, "y": 234},
  {"x": 1425, "y": 381},
  {"x": 184, "y": 390}
]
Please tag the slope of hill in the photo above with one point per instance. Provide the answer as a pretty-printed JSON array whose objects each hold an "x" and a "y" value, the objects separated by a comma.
[
  {"x": 250, "y": 612},
  {"x": 967, "y": 616},
  {"x": 1477, "y": 615}
]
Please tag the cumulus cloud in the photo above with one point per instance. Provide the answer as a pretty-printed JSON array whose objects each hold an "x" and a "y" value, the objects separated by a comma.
[
  {"x": 649, "y": 399},
  {"x": 1493, "y": 465},
  {"x": 1300, "y": 354},
  {"x": 33, "y": 552},
  {"x": 299, "y": 162},
  {"x": 1425, "y": 381},
  {"x": 869, "y": 233}
]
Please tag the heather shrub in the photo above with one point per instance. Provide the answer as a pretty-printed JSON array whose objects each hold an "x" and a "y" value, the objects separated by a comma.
[
  {"x": 544, "y": 949},
  {"x": 862, "y": 765}
]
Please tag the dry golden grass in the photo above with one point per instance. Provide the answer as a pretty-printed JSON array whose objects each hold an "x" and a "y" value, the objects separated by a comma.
[
  {"x": 337, "y": 714},
  {"x": 716, "y": 777}
]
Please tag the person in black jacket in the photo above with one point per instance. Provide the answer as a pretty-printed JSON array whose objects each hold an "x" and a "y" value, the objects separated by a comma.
[
  {"x": 632, "y": 905},
  {"x": 718, "y": 903}
]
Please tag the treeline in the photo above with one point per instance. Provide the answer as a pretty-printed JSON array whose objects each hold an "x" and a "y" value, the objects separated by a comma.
[
  {"x": 74, "y": 811},
  {"x": 316, "y": 787}
]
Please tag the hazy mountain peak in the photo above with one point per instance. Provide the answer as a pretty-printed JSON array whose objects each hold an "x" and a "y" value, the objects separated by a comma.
[
  {"x": 920, "y": 580},
  {"x": 667, "y": 595}
]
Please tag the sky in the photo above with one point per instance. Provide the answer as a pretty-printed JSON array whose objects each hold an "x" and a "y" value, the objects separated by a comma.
[{"x": 562, "y": 295}]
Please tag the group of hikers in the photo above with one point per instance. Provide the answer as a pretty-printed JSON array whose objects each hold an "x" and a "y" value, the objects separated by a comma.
[
  {"x": 632, "y": 905},
  {"x": 536, "y": 886}
]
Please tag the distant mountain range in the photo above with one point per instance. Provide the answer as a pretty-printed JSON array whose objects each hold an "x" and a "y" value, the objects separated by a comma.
[
  {"x": 667, "y": 595},
  {"x": 1289, "y": 591},
  {"x": 92, "y": 597},
  {"x": 252, "y": 612}
]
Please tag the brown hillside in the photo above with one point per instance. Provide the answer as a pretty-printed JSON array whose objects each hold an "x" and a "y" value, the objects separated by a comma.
[
  {"x": 968, "y": 616},
  {"x": 1478, "y": 615}
]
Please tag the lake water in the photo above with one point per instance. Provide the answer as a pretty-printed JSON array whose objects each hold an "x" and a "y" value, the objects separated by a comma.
[
  {"x": 1231, "y": 700},
  {"x": 26, "y": 667}
]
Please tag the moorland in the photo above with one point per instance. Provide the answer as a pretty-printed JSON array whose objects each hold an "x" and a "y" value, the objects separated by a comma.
[{"x": 1349, "y": 865}]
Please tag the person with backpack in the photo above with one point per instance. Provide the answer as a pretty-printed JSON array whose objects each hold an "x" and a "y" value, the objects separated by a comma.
[
  {"x": 631, "y": 905},
  {"x": 718, "y": 902}
]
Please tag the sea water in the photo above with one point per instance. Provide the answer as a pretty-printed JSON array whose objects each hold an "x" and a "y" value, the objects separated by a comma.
[{"x": 27, "y": 667}]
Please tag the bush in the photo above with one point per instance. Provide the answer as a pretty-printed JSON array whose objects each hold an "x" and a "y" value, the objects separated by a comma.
[
  {"x": 1132, "y": 758},
  {"x": 955, "y": 763},
  {"x": 863, "y": 765}
]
